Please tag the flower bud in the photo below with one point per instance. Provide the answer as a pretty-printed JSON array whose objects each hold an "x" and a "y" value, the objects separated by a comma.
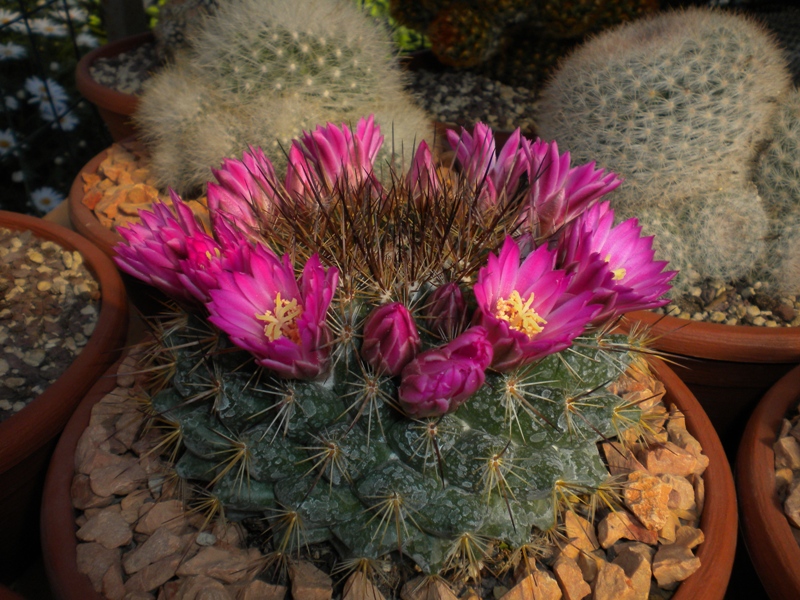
[
  {"x": 391, "y": 339},
  {"x": 439, "y": 380},
  {"x": 447, "y": 311}
]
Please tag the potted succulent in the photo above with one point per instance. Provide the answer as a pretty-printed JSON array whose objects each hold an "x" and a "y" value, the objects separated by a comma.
[
  {"x": 772, "y": 545},
  {"x": 34, "y": 417},
  {"x": 116, "y": 107},
  {"x": 695, "y": 110},
  {"x": 416, "y": 362}
]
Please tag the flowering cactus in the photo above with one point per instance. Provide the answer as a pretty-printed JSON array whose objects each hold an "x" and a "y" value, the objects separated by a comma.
[{"x": 393, "y": 340}]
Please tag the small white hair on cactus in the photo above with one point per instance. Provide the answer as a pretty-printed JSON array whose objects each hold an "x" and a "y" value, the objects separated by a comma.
[
  {"x": 670, "y": 98},
  {"x": 778, "y": 171},
  {"x": 265, "y": 71},
  {"x": 727, "y": 231}
]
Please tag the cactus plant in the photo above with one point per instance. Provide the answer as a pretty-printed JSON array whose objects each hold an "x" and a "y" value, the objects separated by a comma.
[
  {"x": 258, "y": 73},
  {"x": 679, "y": 105},
  {"x": 408, "y": 377},
  {"x": 778, "y": 173}
]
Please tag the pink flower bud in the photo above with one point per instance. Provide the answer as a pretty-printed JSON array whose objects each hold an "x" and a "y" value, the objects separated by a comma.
[
  {"x": 447, "y": 311},
  {"x": 439, "y": 380},
  {"x": 391, "y": 339}
]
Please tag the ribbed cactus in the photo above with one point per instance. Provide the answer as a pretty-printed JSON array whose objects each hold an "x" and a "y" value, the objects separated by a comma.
[
  {"x": 407, "y": 377},
  {"x": 261, "y": 71},
  {"x": 679, "y": 105}
]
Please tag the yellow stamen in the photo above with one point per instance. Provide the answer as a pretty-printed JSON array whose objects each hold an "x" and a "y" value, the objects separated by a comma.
[
  {"x": 520, "y": 316},
  {"x": 282, "y": 322},
  {"x": 618, "y": 273},
  {"x": 216, "y": 254}
]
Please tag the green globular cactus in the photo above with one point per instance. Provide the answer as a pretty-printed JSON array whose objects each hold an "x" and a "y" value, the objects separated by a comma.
[
  {"x": 360, "y": 367},
  {"x": 260, "y": 72},
  {"x": 679, "y": 104},
  {"x": 319, "y": 466}
]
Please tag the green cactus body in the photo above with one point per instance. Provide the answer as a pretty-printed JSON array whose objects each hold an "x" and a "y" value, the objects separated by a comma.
[
  {"x": 259, "y": 73},
  {"x": 297, "y": 454}
]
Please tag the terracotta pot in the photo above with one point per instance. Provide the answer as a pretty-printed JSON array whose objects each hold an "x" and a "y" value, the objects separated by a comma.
[
  {"x": 727, "y": 367},
  {"x": 114, "y": 107},
  {"x": 27, "y": 438},
  {"x": 768, "y": 536},
  {"x": 718, "y": 521}
]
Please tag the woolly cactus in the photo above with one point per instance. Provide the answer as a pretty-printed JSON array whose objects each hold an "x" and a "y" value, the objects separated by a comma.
[
  {"x": 176, "y": 19},
  {"x": 778, "y": 171},
  {"x": 258, "y": 73},
  {"x": 407, "y": 377},
  {"x": 678, "y": 104}
]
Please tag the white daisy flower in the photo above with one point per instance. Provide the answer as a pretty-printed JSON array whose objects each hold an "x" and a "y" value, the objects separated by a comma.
[
  {"x": 46, "y": 198},
  {"x": 8, "y": 16},
  {"x": 87, "y": 40},
  {"x": 11, "y": 103},
  {"x": 18, "y": 177},
  {"x": 44, "y": 91},
  {"x": 10, "y": 51},
  {"x": 67, "y": 120},
  {"x": 47, "y": 27},
  {"x": 7, "y": 141},
  {"x": 74, "y": 14}
]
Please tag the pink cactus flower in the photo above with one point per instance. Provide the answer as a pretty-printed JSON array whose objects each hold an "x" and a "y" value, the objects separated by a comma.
[
  {"x": 634, "y": 280},
  {"x": 279, "y": 320},
  {"x": 421, "y": 177},
  {"x": 391, "y": 339},
  {"x": 245, "y": 193},
  {"x": 446, "y": 311},
  {"x": 439, "y": 380},
  {"x": 558, "y": 192},
  {"x": 331, "y": 156},
  {"x": 525, "y": 307},
  {"x": 496, "y": 176},
  {"x": 156, "y": 249}
]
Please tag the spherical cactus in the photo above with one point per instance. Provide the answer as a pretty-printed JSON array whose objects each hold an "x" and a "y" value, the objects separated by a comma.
[
  {"x": 670, "y": 100},
  {"x": 778, "y": 172},
  {"x": 258, "y": 73},
  {"x": 406, "y": 377},
  {"x": 176, "y": 19}
]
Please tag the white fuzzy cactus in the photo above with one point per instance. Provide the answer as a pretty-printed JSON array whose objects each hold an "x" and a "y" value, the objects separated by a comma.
[
  {"x": 679, "y": 105},
  {"x": 259, "y": 72}
]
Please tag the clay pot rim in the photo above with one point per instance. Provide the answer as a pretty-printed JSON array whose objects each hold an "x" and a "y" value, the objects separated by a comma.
[
  {"x": 99, "y": 94},
  {"x": 716, "y": 341},
  {"x": 771, "y": 545},
  {"x": 708, "y": 583},
  {"x": 42, "y": 419}
]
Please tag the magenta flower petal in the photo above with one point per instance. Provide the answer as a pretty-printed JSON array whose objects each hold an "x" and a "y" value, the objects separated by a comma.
[
  {"x": 246, "y": 191},
  {"x": 525, "y": 307},
  {"x": 391, "y": 339},
  {"x": 446, "y": 311},
  {"x": 281, "y": 323},
  {"x": 633, "y": 280},
  {"x": 439, "y": 380},
  {"x": 495, "y": 176},
  {"x": 421, "y": 177},
  {"x": 333, "y": 156},
  {"x": 168, "y": 250},
  {"x": 558, "y": 192}
]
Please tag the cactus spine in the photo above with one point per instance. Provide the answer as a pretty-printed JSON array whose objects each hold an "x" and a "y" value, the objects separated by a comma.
[{"x": 258, "y": 73}]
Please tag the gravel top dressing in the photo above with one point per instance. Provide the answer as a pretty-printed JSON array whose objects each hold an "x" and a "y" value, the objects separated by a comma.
[{"x": 49, "y": 303}]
